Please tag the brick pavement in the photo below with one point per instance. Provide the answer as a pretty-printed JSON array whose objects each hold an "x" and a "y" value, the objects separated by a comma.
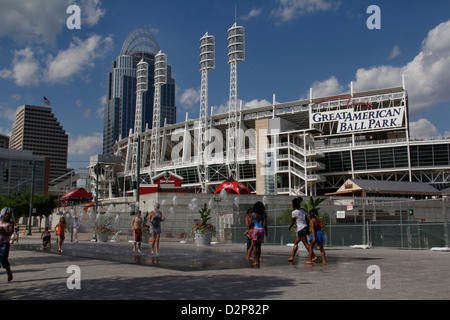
[{"x": 181, "y": 271}]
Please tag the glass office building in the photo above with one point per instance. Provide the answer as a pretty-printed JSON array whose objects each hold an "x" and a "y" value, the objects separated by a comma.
[
  {"x": 16, "y": 167},
  {"x": 121, "y": 90}
]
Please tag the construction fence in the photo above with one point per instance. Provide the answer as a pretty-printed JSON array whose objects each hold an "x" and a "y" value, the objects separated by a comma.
[{"x": 376, "y": 222}]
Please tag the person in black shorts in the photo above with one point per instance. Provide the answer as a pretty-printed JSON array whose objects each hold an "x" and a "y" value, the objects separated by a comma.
[{"x": 299, "y": 219}]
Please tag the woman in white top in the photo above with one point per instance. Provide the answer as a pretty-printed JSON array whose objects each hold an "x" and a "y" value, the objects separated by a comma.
[{"x": 299, "y": 219}]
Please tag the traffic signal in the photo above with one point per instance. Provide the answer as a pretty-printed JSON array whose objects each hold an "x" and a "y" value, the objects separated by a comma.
[
  {"x": 6, "y": 175},
  {"x": 411, "y": 212}
]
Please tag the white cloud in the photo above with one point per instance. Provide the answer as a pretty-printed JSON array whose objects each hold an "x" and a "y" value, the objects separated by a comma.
[
  {"x": 326, "y": 88},
  {"x": 100, "y": 113},
  {"x": 255, "y": 103},
  {"x": 252, "y": 14},
  {"x": 423, "y": 129},
  {"x": 35, "y": 21},
  {"x": 223, "y": 108},
  {"x": 24, "y": 69},
  {"x": 79, "y": 56},
  {"x": 292, "y": 9},
  {"x": 154, "y": 31},
  {"x": 41, "y": 21},
  {"x": 8, "y": 113},
  {"x": 395, "y": 52},
  {"x": 85, "y": 145},
  {"x": 427, "y": 76},
  {"x": 91, "y": 11},
  {"x": 189, "y": 98}
]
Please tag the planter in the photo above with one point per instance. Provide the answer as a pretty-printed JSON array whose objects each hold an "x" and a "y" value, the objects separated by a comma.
[
  {"x": 202, "y": 239},
  {"x": 103, "y": 237}
]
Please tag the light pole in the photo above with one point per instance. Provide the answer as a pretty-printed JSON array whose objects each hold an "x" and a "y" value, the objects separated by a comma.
[{"x": 31, "y": 197}]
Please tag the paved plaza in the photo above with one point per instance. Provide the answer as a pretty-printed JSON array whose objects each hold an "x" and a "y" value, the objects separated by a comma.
[{"x": 221, "y": 272}]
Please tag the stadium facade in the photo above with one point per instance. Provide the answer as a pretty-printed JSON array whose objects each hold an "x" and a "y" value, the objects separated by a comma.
[{"x": 304, "y": 147}]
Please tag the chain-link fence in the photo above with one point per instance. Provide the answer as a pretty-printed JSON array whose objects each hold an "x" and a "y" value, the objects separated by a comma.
[
  {"x": 413, "y": 235},
  {"x": 372, "y": 221},
  {"x": 377, "y": 222}
]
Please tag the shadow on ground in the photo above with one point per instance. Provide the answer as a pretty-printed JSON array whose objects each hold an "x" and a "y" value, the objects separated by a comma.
[{"x": 179, "y": 287}]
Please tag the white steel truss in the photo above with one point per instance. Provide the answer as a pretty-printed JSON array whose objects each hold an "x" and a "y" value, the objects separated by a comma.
[
  {"x": 207, "y": 62},
  {"x": 141, "y": 87},
  {"x": 160, "y": 79},
  {"x": 236, "y": 53}
]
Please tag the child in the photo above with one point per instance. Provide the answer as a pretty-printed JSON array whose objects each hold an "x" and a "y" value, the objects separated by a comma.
[
  {"x": 316, "y": 237},
  {"x": 249, "y": 223},
  {"x": 300, "y": 220},
  {"x": 60, "y": 230},
  {"x": 46, "y": 237}
]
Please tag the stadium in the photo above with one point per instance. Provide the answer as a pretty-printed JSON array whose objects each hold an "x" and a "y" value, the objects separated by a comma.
[
  {"x": 301, "y": 147},
  {"x": 306, "y": 147}
]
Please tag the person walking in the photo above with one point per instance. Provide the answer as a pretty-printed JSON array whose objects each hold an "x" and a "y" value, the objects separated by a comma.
[
  {"x": 60, "y": 230},
  {"x": 136, "y": 226},
  {"x": 259, "y": 229},
  {"x": 317, "y": 237},
  {"x": 300, "y": 220},
  {"x": 6, "y": 230},
  {"x": 76, "y": 226},
  {"x": 155, "y": 219},
  {"x": 249, "y": 224}
]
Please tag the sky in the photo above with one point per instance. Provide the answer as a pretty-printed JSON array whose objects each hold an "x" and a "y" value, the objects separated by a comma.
[{"x": 291, "y": 46}]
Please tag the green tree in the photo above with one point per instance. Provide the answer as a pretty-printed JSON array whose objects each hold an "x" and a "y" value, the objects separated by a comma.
[
  {"x": 20, "y": 204},
  {"x": 312, "y": 204}
]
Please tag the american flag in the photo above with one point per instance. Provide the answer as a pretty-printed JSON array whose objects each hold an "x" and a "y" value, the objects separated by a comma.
[{"x": 46, "y": 101}]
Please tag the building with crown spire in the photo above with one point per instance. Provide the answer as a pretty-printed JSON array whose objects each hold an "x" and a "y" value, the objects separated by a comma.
[{"x": 121, "y": 90}]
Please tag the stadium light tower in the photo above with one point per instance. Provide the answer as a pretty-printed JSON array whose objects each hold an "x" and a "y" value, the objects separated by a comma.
[
  {"x": 207, "y": 62},
  {"x": 236, "y": 53},
  {"x": 160, "y": 79},
  {"x": 141, "y": 87}
]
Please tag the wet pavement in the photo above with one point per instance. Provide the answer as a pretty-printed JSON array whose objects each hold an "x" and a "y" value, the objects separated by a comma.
[
  {"x": 175, "y": 256},
  {"x": 111, "y": 271}
]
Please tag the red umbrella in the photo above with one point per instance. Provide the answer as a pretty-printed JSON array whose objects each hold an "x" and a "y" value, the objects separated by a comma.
[
  {"x": 78, "y": 195},
  {"x": 233, "y": 187}
]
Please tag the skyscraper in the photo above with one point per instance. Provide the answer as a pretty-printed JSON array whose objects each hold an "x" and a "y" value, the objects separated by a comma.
[
  {"x": 38, "y": 130},
  {"x": 121, "y": 90}
]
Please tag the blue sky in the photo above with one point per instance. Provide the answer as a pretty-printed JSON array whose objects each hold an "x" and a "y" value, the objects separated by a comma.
[{"x": 291, "y": 46}]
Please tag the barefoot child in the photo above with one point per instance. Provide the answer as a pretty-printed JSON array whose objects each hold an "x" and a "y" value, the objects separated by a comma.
[
  {"x": 299, "y": 219},
  {"x": 136, "y": 226},
  {"x": 60, "y": 230},
  {"x": 249, "y": 223},
  {"x": 46, "y": 238},
  {"x": 316, "y": 237}
]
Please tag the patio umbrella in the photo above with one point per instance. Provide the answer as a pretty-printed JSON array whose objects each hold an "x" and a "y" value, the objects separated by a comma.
[{"x": 232, "y": 186}]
